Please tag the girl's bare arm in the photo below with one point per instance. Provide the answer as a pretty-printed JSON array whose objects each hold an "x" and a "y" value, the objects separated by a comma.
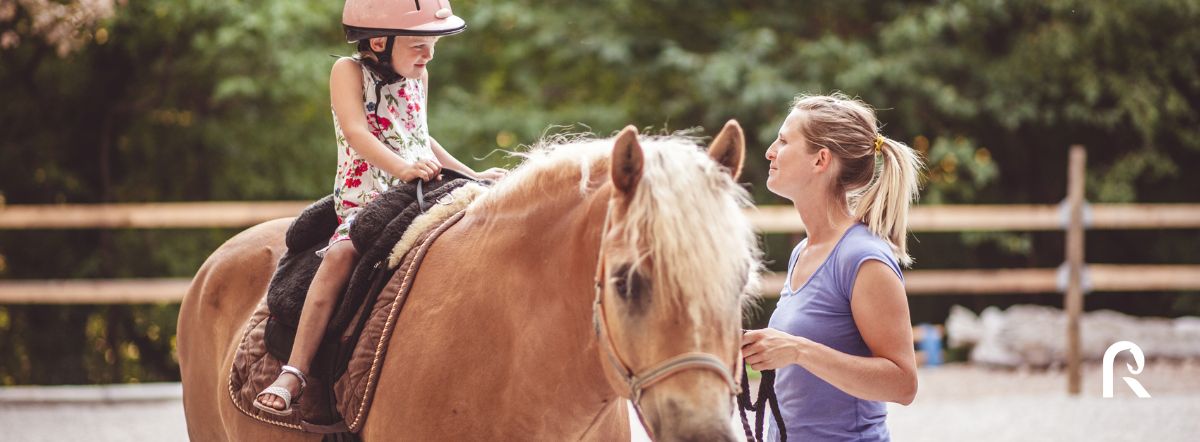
[{"x": 345, "y": 92}]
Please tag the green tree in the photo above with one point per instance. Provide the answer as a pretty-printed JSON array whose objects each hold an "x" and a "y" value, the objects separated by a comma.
[{"x": 165, "y": 101}]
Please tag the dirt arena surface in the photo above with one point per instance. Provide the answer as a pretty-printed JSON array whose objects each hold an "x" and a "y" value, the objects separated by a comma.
[
  {"x": 962, "y": 402},
  {"x": 955, "y": 403}
]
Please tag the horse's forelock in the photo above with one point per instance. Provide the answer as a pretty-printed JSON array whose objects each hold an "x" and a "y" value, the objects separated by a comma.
[{"x": 688, "y": 213}]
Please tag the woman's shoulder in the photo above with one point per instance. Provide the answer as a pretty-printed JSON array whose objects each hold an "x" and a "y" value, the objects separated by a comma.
[
  {"x": 861, "y": 244},
  {"x": 860, "y": 236}
]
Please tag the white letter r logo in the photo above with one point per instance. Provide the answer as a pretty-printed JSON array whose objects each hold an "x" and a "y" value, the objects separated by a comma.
[{"x": 1138, "y": 358}]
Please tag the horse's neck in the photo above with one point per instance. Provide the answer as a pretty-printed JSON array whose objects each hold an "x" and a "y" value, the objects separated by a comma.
[{"x": 549, "y": 242}]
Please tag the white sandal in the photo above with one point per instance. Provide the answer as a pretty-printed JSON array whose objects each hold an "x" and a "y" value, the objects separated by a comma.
[{"x": 282, "y": 393}]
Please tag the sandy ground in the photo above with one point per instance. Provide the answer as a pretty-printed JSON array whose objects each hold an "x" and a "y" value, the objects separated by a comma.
[
  {"x": 955, "y": 403},
  {"x": 959, "y": 403}
]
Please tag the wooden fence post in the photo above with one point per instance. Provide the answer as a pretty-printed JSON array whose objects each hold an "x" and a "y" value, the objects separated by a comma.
[{"x": 1073, "y": 303}]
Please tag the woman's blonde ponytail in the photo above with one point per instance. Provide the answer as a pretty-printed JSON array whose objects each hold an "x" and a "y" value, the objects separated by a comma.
[
  {"x": 883, "y": 205},
  {"x": 877, "y": 176}
]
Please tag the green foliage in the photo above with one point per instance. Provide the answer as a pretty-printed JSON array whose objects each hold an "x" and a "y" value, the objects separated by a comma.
[
  {"x": 227, "y": 100},
  {"x": 180, "y": 100}
]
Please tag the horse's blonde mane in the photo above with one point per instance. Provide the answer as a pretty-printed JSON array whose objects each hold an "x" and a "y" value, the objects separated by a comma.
[{"x": 686, "y": 213}]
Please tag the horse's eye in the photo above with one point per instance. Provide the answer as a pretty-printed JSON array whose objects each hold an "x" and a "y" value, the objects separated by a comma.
[
  {"x": 621, "y": 285},
  {"x": 621, "y": 282},
  {"x": 629, "y": 285}
]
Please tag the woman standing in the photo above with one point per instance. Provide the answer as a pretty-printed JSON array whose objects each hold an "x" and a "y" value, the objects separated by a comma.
[{"x": 840, "y": 337}]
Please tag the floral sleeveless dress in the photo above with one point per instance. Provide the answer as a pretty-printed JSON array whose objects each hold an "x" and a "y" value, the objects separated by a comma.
[{"x": 396, "y": 116}]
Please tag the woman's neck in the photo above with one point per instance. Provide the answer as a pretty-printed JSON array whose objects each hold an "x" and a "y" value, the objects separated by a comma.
[{"x": 824, "y": 220}]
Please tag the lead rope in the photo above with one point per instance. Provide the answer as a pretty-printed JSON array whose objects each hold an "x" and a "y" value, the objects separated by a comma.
[
  {"x": 766, "y": 393},
  {"x": 743, "y": 400}
]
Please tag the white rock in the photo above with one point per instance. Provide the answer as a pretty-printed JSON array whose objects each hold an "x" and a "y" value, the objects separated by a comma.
[{"x": 1030, "y": 335}]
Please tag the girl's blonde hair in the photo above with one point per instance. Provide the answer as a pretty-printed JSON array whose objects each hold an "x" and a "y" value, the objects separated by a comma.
[{"x": 877, "y": 175}]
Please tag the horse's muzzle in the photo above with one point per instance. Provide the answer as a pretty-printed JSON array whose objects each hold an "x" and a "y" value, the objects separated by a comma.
[
  {"x": 678, "y": 416},
  {"x": 712, "y": 431}
]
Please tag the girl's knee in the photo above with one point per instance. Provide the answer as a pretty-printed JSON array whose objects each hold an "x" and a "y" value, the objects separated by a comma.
[{"x": 341, "y": 254}]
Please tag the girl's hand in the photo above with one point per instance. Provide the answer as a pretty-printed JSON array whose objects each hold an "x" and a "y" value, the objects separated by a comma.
[
  {"x": 424, "y": 170},
  {"x": 768, "y": 349},
  {"x": 493, "y": 174}
]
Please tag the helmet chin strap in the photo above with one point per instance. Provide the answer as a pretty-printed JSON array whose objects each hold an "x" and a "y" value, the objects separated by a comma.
[
  {"x": 385, "y": 59},
  {"x": 390, "y": 75},
  {"x": 386, "y": 56}
]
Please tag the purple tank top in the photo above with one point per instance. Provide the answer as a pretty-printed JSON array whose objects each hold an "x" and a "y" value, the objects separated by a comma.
[{"x": 812, "y": 409}]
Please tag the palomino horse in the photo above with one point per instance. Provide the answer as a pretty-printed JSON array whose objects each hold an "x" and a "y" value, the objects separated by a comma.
[{"x": 595, "y": 262}]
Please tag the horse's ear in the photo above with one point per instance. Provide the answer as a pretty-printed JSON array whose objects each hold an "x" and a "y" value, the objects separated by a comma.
[
  {"x": 626, "y": 160},
  {"x": 729, "y": 148}
]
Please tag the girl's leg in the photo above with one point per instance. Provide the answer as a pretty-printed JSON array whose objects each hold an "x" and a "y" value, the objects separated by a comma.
[{"x": 327, "y": 285}]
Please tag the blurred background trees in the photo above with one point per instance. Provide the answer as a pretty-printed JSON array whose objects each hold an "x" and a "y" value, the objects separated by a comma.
[{"x": 194, "y": 100}]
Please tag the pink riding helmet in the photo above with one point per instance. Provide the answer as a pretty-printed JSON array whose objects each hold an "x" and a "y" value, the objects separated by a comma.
[{"x": 364, "y": 19}]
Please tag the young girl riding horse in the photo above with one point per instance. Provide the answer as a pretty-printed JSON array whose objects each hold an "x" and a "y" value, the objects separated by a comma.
[{"x": 379, "y": 118}]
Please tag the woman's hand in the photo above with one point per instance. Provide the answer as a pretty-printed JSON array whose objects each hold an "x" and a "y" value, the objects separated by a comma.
[
  {"x": 493, "y": 174},
  {"x": 768, "y": 349},
  {"x": 424, "y": 170}
]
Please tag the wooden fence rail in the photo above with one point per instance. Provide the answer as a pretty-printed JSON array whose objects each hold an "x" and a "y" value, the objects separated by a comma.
[
  {"x": 767, "y": 219},
  {"x": 1102, "y": 277}
]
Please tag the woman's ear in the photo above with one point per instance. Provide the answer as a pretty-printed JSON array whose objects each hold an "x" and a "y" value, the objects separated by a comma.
[{"x": 822, "y": 159}]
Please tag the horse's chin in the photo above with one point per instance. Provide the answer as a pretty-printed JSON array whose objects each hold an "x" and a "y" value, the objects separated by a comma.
[
  {"x": 701, "y": 414},
  {"x": 685, "y": 430}
]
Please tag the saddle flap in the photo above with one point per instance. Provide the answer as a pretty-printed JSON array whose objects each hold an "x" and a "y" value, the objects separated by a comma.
[
  {"x": 255, "y": 368},
  {"x": 356, "y": 388}
]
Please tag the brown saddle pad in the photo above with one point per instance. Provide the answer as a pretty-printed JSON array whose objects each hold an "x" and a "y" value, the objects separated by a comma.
[{"x": 254, "y": 368}]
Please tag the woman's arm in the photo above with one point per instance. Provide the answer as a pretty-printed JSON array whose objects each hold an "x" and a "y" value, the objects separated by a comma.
[
  {"x": 880, "y": 310},
  {"x": 345, "y": 93}
]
